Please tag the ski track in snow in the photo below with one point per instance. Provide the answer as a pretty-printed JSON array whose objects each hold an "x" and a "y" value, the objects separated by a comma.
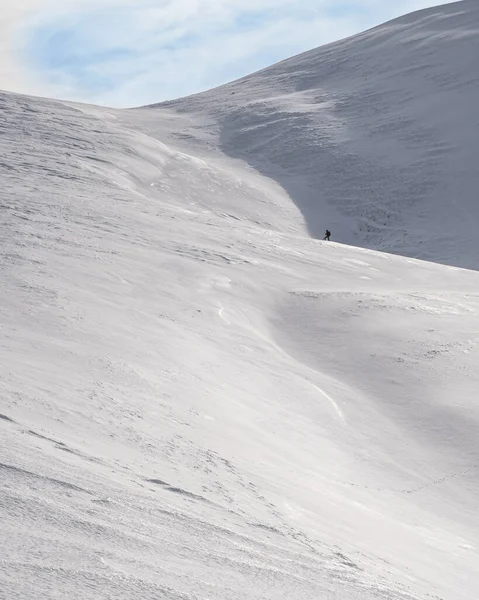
[{"x": 198, "y": 400}]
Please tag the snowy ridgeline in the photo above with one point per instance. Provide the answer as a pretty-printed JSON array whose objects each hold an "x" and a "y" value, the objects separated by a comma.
[
  {"x": 378, "y": 133},
  {"x": 199, "y": 401}
]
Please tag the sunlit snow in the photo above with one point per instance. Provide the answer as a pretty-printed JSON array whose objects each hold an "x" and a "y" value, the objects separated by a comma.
[{"x": 201, "y": 401}]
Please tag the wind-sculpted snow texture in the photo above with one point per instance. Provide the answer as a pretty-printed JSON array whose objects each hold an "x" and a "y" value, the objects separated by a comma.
[
  {"x": 198, "y": 400},
  {"x": 374, "y": 137}
]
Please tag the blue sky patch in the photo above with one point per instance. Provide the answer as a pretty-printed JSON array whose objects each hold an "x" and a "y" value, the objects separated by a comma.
[{"x": 123, "y": 55}]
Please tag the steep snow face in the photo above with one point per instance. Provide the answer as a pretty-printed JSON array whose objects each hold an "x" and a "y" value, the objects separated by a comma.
[
  {"x": 198, "y": 401},
  {"x": 374, "y": 137}
]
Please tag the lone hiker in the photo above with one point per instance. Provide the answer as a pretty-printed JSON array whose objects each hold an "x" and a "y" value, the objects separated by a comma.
[{"x": 328, "y": 235}]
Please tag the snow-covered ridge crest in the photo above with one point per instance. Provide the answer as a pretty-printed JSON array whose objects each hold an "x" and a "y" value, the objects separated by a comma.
[{"x": 375, "y": 134}]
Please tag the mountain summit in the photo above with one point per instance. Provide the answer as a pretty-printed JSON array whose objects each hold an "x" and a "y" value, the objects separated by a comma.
[{"x": 375, "y": 136}]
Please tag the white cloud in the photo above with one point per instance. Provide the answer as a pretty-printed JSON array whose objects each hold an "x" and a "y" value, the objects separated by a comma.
[
  {"x": 16, "y": 20},
  {"x": 122, "y": 52}
]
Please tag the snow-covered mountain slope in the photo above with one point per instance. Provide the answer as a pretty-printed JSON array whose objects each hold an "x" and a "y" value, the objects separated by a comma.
[
  {"x": 375, "y": 137},
  {"x": 198, "y": 401}
]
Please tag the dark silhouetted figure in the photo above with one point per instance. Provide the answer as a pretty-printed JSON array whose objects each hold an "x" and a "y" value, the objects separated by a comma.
[{"x": 328, "y": 235}]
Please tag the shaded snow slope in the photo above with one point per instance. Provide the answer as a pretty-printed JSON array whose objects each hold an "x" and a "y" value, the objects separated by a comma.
[
  {"x": 198, "y": 401},
  {"x": 374, "y": 136}
]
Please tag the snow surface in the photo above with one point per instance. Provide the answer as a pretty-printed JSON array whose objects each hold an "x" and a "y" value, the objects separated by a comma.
[
  {"x": 200, "y": 401},
  {"x": 377, "y": 134}
]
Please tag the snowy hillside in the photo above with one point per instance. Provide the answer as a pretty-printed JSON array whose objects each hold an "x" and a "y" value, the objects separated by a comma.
[
  {"x": 198, "y": 401},
  {"x": 374, "y": 136}
]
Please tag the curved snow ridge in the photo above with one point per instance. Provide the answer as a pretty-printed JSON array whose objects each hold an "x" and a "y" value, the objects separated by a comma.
[
  {"x": 370, "y": 136},
  {"x": 334, "y": 404}
]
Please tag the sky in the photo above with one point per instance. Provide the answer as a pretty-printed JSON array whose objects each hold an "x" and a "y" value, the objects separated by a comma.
[{"x": 133, "y": 52}]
